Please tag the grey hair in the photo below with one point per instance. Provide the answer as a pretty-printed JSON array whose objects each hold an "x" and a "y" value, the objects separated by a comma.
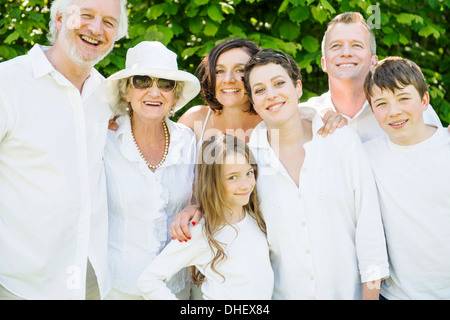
[
  {"x": 351, "y": 17},
  {"x": 63, "y": 7},
  {"x": 122, "y": 87}
]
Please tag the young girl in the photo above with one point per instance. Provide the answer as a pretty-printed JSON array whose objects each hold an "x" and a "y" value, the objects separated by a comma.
[{"x": 228, "y": 252}]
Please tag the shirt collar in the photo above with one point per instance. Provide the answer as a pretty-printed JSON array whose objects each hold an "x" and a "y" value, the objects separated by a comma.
[
  {"x": 41, "y": 66},
  {"x": 258, "y": 139},
  {"x": 39, "y": 62}
]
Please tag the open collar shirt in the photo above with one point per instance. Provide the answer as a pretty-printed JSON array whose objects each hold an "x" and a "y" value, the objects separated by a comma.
[
  {"x": 53, "y": 210},
  {"x": 325, "y": 236},
  {"x": 364, "y": 122}
]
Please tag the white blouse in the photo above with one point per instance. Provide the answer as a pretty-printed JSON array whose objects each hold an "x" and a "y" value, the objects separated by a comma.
[
  {"x": 142, "y": 203},
  {"x": 325, "y": 236},
  {"x": 247, "y": 271}
]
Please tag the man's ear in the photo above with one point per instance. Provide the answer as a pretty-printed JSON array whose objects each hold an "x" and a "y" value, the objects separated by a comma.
[
  {"x": 323, "y": 63},
  {"x": 59, "y": 21},
  {"x": 374, "y": 60}
]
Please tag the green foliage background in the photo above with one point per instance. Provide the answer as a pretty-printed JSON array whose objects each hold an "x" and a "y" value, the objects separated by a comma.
[{"x": 413, "y": 29}]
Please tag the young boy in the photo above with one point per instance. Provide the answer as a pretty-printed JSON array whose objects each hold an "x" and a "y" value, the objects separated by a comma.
[{"x": 412, "y": 171}]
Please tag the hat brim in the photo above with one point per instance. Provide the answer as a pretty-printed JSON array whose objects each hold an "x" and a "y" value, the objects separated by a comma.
[{"x": 191, "y": 86}]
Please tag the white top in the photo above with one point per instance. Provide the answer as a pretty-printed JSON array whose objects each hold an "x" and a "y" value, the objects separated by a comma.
[
  {"x": 53, "y": 211},
  {"x": 142, "y": 203},
  {"x": 414, "y": 188},
  {"x": 325, "y": 236},
  {"x": 364, "y": 122},
  {"x": 247, "y": 271}
]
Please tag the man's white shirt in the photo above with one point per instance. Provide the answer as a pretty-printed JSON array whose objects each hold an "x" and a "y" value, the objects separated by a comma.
[{"x": 53, "y": 210}]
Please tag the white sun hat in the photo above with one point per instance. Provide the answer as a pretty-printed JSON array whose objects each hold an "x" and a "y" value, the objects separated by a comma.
[{"x": 152, "y": 58}]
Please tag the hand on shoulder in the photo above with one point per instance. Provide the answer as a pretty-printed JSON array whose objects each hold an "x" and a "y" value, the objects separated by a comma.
[{"x": 332, "y": 120}]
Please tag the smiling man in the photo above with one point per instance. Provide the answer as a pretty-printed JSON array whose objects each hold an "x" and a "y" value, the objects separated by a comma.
[
  {"x": 53, "y": 124},
  {"x": 348, "y": 54}
]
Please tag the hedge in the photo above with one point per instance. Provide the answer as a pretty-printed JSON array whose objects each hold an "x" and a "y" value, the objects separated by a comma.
[{"x": 414, "y": 30}]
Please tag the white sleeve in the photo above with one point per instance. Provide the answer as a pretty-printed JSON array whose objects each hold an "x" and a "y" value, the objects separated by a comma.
[
  {"x": 173, "y": 258},
  {"x": 369, "y": 237},
  {"x": 430, "y": 117}
]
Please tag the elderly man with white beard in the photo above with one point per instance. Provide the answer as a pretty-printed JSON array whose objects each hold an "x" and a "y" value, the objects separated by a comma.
[{"x": 53, "y": 124}]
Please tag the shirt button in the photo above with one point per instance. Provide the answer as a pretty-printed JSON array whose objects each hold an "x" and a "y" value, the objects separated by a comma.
[
  {"x": 299, "y": 195},
  {"x": 308, "y": 251},
  {"x": 303, "y": 224},
  {"x": 311, "y": 277}
]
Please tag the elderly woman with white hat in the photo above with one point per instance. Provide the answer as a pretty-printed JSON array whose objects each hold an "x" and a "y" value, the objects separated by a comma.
[{"x": 149, "y": 164}]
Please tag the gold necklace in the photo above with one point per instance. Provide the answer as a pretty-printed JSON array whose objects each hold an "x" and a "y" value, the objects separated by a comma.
[{"x": 166, "y": 147}]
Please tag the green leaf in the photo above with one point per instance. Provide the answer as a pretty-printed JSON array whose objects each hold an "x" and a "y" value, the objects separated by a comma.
[
  {"x": 215, "y": 14},
  {"x": 319, "y": 14},
  {"x": 167, "y": 34},
  {"x": 407, "y": 18},
  {"x": 200, "y": 2},
  {"x": 170, "y": 8},
  {"x": 177, "y": 29},
  {"x": 159, "y": 33},
  {"x": 289, "y": 30},
  {"x": 326, "y": 5},
  {"x": 299, "y": 14},
  {"x": 310, "y": 44},
  {"x": 429, "y": 30},
  {"x": 12, "y": 37},
  {"x": 211, "y": 29},
  {"x": 391, "y": 39},
  {"x": 155, "y": 11},
  {"x": 195, "y": 25},
  {"x": 283, "y": 6},
  {"x": 192, "y": 11},
  {"x": 403, "y": 39},
  {"x": 236, "y": 31},
  {"x": 188, "y": 52},
  {"x": 227, "y": 8}
]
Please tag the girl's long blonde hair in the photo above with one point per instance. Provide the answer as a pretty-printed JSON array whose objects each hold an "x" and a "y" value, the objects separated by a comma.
[{"x": 209, "y": 192}]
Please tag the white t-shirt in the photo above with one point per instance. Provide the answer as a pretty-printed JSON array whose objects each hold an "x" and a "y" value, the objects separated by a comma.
[
  {"x": 325, "y": 236},
  {"x": 414, "y": 190},
  {"x": 142, "y": 203},
  {"x": 247, "y": 270},
  {"x": 53, "y": 210},
  {"x": 364, "y": 122}
]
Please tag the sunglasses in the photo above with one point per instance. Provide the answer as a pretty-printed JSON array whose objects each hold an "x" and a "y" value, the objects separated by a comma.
[{"x": 145, "y": 82}]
